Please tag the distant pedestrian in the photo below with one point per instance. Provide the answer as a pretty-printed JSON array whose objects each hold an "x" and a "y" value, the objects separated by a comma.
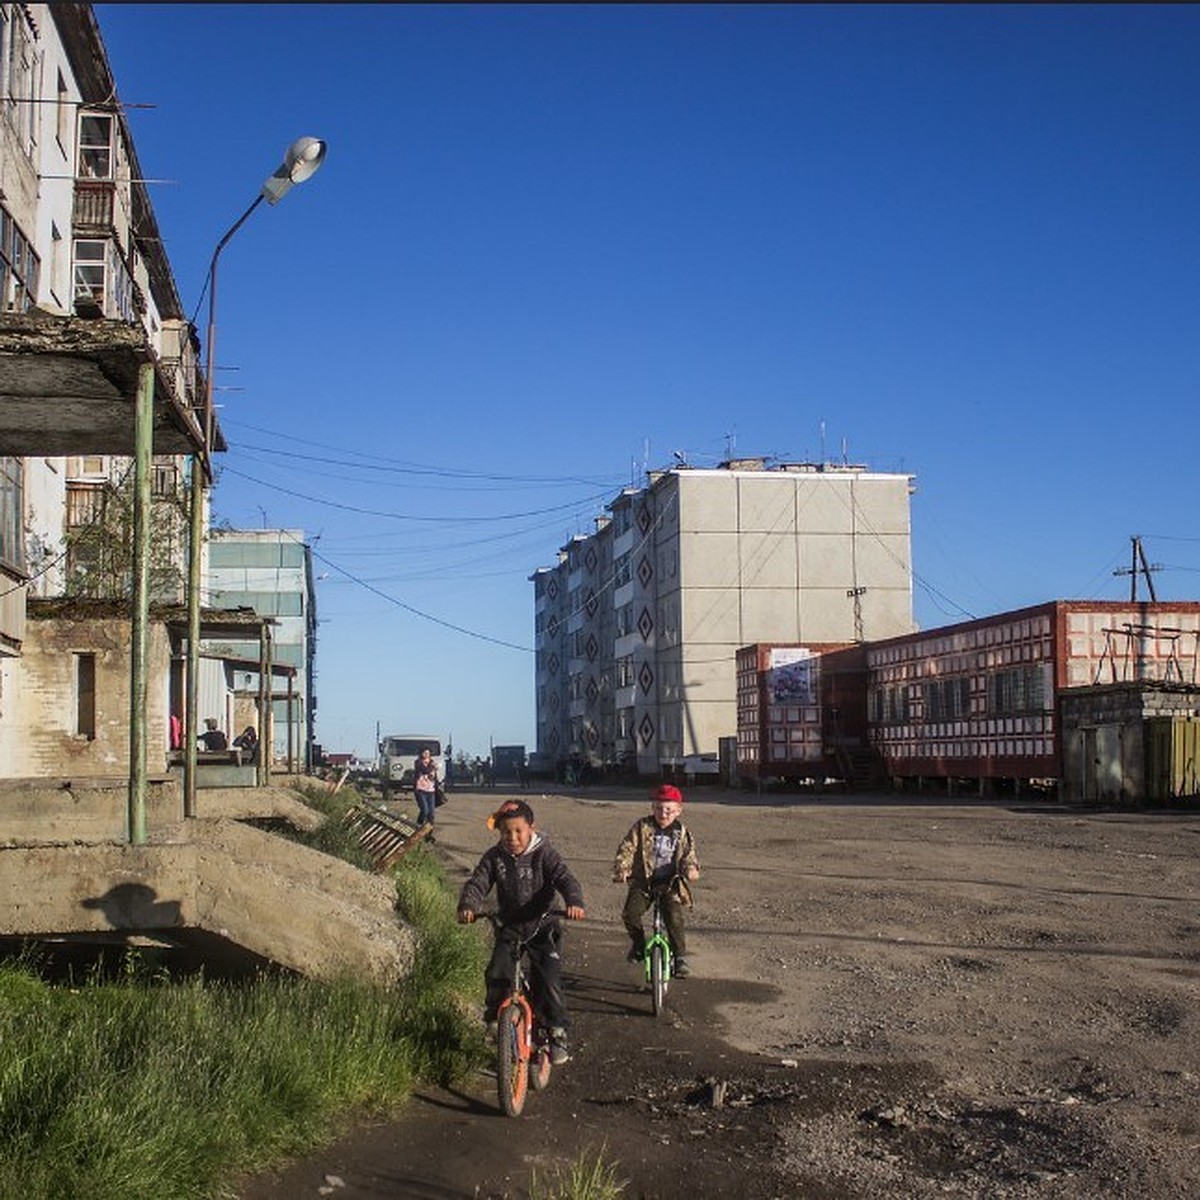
[
  {"x": 425, "y": 788},
  {"x": 213, "y": 738},
  {"x": 247, "y": 743}
]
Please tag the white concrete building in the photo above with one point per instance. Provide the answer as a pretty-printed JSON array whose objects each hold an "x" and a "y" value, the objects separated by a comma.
[
  {"x": 86, "y": 293},
  {"x": 638, "y": 624}
]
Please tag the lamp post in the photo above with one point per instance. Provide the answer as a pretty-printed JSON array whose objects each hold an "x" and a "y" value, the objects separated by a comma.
[{"x": 301, "y": 161}]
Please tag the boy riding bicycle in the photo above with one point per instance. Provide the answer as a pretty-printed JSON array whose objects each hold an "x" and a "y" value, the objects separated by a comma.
[
  {"x": 658, "y": 854},
  {"x": 527, "y": 873}
]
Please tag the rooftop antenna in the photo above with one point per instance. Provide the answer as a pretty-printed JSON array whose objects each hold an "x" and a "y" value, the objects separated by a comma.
[
  {"x": 845, "y": 456},
  {"x": 822, "y": 441},
  {"x": 730, "y": 444},
  {"x": 646, "y": 457}
]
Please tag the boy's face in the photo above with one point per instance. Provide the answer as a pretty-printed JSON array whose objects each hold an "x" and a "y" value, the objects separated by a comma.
[
  {"x": 666, "y": 811},
  {"x": 515, "y": 834}
]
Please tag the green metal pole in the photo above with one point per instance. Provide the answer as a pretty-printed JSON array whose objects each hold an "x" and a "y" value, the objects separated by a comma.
[
  {"x": 140, "y": 632},
  {"x": 266, "y": 735},
  {"x": 191, "y": 702}
]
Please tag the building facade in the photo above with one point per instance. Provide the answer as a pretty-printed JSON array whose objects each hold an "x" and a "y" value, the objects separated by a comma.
[
  {"x": 638, "y": 624},
  {"x": 86, "y": 292},
  {"x": 269, "y": 571},
  {"x": 982, "y": 700}
]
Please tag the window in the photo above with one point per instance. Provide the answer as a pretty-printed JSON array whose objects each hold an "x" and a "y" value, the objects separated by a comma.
[
  {"x": 18, "y": 267},
  {"x": 56, "y": 260},
  {"x": 947, "y": 699},
  {"x": 62, "y": 112},
  {"x": 17, "y": 61},
  {"x": 624, "y": 620},
  {"x": 100, "y": 277},
  {"x": 95, "y": 146},
  {"x": 889, "y": 705},
  {"x": 85, "y": 696},
  {"x": 621, "y": 574},
  {"x": 12, "y": 503},
  {"x": 1019, "y": 691}
]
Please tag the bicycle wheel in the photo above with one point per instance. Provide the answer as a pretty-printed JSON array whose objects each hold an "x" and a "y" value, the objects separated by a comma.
[
  {"x": 512, "y": 1074},
  {"x": 658, "y": 976}
]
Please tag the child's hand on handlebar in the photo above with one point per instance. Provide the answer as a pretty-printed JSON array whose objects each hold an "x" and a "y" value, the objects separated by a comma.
[
  {"x": 575, "y": 913},
  {"x": 693, "y": 873},
  {"x": 465, "y": 916}
]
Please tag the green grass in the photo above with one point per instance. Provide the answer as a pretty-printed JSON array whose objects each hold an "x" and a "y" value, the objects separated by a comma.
[
  {"x": 140, "y": 1086},
  {"x": 589, "y": 1177}
]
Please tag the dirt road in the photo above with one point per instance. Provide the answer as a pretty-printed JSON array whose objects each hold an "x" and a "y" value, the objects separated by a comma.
[{"x": 890, "y": 1000}]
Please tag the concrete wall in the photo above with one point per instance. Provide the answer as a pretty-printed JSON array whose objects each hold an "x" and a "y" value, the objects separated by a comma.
[
  {"x": 39, "y": 727},
  {"x": 64, "y": 869}
]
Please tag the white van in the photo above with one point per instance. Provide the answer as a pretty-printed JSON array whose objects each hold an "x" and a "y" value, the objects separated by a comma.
[{"x": 397, "y": 754}]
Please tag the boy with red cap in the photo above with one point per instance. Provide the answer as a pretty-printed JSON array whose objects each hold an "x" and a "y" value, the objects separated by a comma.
[{"x": 658, "y": 854}]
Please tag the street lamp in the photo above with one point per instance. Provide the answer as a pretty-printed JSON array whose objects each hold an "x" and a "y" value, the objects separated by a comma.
[{"x": 301, "y": 161}]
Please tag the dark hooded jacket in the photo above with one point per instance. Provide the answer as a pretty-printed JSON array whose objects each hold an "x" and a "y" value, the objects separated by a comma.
[{"x": 526, "y": 884}]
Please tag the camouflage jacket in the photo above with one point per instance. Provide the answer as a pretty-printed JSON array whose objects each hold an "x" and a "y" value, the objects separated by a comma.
[{"x": 635, "y": 856}]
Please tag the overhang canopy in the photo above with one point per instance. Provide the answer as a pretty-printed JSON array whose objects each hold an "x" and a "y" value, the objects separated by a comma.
[{"x": 68, "y": 386}]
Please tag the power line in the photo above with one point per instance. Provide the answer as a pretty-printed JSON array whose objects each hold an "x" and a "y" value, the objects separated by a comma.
[{"x": 394, "y": 516}]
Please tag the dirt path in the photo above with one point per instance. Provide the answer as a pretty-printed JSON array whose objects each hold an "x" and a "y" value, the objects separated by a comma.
[{"x": 896, "y": 1001}]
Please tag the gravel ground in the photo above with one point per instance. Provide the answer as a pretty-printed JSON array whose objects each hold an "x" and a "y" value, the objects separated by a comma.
[{"x": 890, "y": 1000}]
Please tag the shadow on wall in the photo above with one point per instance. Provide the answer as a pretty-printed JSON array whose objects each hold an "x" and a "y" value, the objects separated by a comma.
[{"x": 135, "y": 906}]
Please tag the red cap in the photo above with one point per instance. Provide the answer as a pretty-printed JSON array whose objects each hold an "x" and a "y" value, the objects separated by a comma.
[{"x": 668, "y": 793}]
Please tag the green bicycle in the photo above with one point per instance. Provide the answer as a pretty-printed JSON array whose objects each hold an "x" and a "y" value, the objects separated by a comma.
[{"x": 657, "y": 955}]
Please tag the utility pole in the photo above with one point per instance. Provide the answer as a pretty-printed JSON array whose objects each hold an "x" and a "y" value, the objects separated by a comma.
[
  {"x": 1138, "y": 566},
  {"x": 856, "y": 594}
]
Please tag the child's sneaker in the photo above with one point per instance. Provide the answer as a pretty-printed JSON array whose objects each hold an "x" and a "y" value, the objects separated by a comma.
[
  {"x": 559, "y": 1053},
  {"x": 635, "y": 955},
  {"x": 680, "y": 968}
]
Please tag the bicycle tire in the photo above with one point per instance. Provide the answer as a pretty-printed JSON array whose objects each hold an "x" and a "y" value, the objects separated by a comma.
[
  {"x": 512, "y": 1074},
  {"x": 658, "y": 977}
]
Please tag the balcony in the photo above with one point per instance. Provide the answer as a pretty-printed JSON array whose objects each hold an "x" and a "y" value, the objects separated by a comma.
[{"x": 94, "y": 204}]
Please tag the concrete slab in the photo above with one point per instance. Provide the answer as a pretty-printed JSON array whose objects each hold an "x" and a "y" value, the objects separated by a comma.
[{"x": 65, "y": 867}]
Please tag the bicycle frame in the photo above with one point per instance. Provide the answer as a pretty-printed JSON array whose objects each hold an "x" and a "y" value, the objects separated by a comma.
[
  {"x": 518, "y": 1044},
  {"x": 658, "y": 956}
]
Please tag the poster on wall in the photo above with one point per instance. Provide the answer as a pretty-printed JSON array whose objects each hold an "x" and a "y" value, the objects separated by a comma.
[{"x": 792, "y": 678}]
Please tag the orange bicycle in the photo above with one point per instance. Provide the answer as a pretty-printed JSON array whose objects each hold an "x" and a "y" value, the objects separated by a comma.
[{"x": 522, "y": 1042}]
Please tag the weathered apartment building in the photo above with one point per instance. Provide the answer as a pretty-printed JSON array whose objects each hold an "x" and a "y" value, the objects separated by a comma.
[
  {"x": 638, "y": 624},
  {"x": 87, "y": 299}
]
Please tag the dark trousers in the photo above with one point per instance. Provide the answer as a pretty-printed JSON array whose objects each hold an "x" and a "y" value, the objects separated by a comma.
[
  {"x": 636, "y": 905},
  {"x": 544, "y": 975}
]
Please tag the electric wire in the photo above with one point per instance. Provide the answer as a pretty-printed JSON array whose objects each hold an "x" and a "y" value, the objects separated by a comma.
[{"x": 394, "y": 516}]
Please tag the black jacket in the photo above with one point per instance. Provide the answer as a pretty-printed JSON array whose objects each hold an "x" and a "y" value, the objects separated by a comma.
[{"x": 525, "y": 884}]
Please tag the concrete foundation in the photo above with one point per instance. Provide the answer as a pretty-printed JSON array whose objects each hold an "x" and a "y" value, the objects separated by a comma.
[{"x": 66, "y": 867}]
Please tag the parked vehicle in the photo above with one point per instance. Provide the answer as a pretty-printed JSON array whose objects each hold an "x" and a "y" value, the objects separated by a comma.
[{"x": 397, "y": 754}]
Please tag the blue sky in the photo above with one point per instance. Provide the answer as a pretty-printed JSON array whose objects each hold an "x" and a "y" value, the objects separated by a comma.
[{"x": 552, "y": 244}]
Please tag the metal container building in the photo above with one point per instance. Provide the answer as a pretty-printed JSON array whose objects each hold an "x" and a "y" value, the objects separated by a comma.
[
  {"x": 981, "y": 700},
  {"x": 1127, "y": 742}
]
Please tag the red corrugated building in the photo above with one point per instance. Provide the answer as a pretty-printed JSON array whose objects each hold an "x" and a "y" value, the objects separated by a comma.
[
  {"x": 802, "y": 712},
  {"x": 981, "y": 700}
]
